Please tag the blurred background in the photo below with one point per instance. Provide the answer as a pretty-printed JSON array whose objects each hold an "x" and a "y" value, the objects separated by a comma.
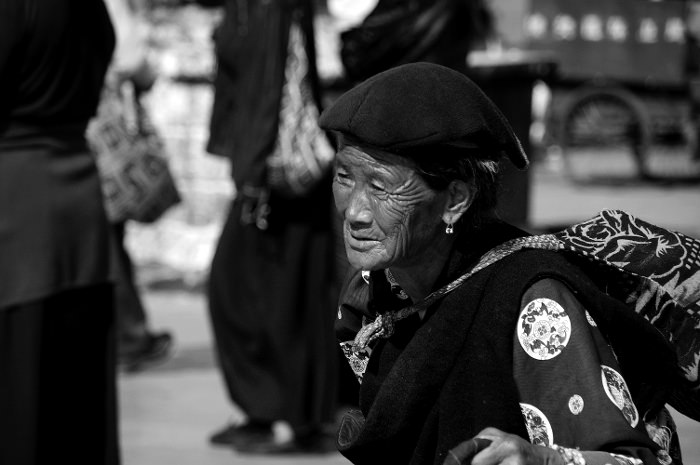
[
  {"x": 601, "y": 92},
  {"x": 608, "y": 107}
]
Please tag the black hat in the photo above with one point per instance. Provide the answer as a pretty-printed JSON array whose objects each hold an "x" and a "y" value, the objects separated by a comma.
[{"x": 423, "y": 105}]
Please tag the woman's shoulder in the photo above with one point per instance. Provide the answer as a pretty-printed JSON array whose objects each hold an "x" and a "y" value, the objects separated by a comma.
[
  {"x": 506, "y": 281},
  {"x": 528, "y": 266}
]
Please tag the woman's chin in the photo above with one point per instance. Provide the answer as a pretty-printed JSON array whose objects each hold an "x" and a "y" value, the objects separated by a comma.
[{"x": 365, "y": 261}]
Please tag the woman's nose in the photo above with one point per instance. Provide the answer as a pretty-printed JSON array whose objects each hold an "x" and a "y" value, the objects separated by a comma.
[{"x": 359, "y": 212}]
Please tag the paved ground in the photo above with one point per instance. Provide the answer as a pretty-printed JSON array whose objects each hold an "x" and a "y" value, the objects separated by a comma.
[
  {"x": 554, "y": 200},
  {"x": 167, "y": 412}
]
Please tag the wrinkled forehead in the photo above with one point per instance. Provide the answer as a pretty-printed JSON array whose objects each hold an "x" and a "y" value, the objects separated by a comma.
[{"x": 355, "y": 152}]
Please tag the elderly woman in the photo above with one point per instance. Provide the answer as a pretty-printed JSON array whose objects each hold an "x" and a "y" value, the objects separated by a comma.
[{"x": 448, "y": 345}]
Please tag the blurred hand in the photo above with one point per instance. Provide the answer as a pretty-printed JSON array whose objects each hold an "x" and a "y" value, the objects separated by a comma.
[{"x": 509, "y": 449}]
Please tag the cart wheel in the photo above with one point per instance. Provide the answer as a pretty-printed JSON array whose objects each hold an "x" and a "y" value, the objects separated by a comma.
[
  {"x": 604, "y": 135},
  {"x": 674, "y": 156}
]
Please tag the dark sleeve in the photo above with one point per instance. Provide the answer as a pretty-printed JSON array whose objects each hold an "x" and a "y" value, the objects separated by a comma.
[
  {"x": 571, "y": 389},
  {"x": 11, "y": 26}
]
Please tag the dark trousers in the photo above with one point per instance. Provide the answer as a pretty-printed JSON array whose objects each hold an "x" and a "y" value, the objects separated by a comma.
[
  {"x": 272, "y": 306},
  {"x": 57, "y": 380}
]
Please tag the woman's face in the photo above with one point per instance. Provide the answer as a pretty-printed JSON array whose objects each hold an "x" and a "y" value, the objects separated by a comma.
[{"x": 390, "y": 215}]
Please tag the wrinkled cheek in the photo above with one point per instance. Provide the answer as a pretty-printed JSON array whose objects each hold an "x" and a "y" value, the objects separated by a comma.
[
  {"x": 393, "y": 217},
  {"x": 396, "y": 234},
  {"x": 400, "y": 242}
]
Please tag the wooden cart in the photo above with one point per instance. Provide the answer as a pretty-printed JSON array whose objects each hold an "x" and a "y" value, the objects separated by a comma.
[{"x": 620, "y": 104}]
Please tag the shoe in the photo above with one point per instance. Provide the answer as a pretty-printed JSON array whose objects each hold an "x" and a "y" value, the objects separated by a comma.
[
  {"x": 223, "y": 437},
  {"x": 155, "y": 347},
  {"x": 233, "y": 435}
]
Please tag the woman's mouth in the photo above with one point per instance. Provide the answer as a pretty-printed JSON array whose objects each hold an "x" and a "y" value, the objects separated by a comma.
[{"x": 359, "y": 242}]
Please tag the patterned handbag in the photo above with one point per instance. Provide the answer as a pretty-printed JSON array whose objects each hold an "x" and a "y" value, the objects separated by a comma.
[
  {"x": 136, "y": 180},
  {"x": 302, "y": 154}
]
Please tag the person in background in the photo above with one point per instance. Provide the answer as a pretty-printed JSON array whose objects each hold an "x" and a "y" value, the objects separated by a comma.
[
  {"x": 397, "y": 32},
  {"x": 517, "y": 348},
  {"x": 271, "y": 294},
  {"x": 57, "y": 358},
  {"x": 137, "y": 344}
]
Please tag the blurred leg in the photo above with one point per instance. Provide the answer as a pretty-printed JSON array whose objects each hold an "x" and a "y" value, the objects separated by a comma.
[
  {"x": 136, "y": 343},
  {"x": 131, "y": 317}
]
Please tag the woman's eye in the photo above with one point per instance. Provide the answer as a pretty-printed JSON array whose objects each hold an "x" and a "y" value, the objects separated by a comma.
[
  {"x": 377, "y": 187},
  {"x": 342, "y": 177}
]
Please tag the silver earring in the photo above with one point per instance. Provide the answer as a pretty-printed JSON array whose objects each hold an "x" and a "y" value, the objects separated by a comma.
[{"x": 450, "y": 228}]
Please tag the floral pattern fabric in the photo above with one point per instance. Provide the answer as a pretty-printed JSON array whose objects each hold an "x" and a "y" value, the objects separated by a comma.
[{"x": 543, "y": 329}]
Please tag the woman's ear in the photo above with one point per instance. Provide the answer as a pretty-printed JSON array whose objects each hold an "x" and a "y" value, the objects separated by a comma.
[{"x": 460, "y": 196}]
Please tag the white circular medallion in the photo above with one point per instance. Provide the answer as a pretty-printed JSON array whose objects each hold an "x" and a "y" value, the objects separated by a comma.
[
  {"x": 538, "y": 427},
  {"x": 590, "y": 319},
  {"x": 616, "y": 389},
  {"x": 544, "y": 329},
  {"x": 576, "y": 404}
]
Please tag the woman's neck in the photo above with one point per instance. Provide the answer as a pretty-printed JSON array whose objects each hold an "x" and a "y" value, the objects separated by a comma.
[{"x": 418, "y": 279}]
